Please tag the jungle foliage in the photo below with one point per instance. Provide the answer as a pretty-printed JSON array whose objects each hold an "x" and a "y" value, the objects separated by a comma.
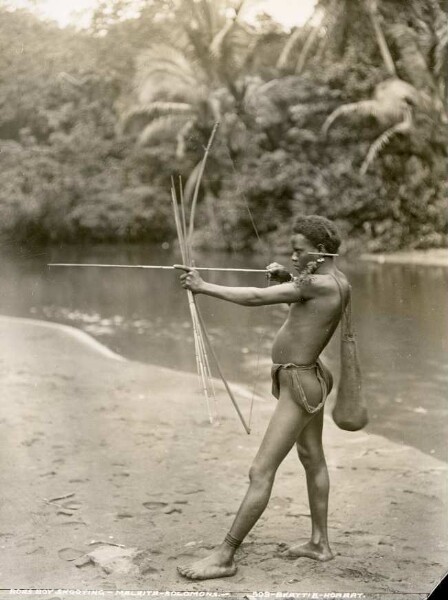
[{"x": 343, "y": 117}]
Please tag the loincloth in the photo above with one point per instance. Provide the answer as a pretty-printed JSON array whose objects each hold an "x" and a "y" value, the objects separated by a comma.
[{"x": 295, "y": 385}]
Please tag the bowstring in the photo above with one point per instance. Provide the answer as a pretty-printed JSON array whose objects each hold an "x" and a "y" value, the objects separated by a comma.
[{"x": 267, "y": 251}]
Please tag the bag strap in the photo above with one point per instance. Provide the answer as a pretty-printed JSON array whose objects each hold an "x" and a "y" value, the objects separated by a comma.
[{"x": 347, "y": 311}]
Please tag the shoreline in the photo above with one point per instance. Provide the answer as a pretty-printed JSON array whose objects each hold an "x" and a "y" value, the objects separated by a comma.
[
  {"x": 436, "y": 257},
  {"x": 260, "y": 391},
  {"x": 114, "y": 475}
]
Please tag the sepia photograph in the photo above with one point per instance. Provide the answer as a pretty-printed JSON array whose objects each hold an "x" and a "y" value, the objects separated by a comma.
[{"x": 223, "y": 299}]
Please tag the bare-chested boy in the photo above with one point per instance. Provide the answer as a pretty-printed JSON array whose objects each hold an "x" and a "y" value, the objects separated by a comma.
[{"x": 300, "y": 382}]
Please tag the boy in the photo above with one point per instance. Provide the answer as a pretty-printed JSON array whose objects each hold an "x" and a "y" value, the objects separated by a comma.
[{"x": 300, "y": 382}]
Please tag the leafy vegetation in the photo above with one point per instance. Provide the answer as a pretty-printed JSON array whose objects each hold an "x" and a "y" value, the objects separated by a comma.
[{"x": 343, "y": 117}]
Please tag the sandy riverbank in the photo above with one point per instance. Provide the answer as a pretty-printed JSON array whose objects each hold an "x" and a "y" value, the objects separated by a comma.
[{"x": 98, "y": 451}]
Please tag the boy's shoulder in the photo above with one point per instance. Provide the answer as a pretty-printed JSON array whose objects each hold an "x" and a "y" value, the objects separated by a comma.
[
  {"x": 320, "y": 285},
  {"x": 335, "y": 284}
]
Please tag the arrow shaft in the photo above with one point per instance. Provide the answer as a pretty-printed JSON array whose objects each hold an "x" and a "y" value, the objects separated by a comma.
[{"x": 230, "y": 270}]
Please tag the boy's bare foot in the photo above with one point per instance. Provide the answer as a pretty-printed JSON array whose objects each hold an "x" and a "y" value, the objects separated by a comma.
[
  {"x": 209, "y": 568},
  {"x": 320, "y": 552}
]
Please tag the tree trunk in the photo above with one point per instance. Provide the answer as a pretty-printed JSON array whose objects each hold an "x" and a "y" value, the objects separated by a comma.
[{"x": 384, "y": 48}]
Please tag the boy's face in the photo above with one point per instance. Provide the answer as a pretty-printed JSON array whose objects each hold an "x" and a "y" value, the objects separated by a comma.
[{"x": 300, "y": 247}]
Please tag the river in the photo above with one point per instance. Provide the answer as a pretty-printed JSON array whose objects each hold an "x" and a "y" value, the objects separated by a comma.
[{"x": 400, "y": 315}]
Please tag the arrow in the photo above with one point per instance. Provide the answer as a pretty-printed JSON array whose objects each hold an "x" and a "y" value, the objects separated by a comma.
[{"x": 230, "y": 270}]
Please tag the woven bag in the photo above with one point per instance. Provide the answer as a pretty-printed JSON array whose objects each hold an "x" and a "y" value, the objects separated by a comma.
[{"x": 350, "y": 410}]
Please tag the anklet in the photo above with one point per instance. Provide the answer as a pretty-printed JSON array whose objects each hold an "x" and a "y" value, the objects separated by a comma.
[{"x": 232, "y": 541}]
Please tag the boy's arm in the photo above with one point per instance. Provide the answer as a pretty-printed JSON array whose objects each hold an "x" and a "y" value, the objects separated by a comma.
[
  {"x": 247, "y": 296},
  {"x": 284, "y": 293}
]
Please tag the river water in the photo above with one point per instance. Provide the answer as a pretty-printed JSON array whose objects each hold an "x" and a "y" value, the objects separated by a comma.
[{"x": 400, "y": 315}]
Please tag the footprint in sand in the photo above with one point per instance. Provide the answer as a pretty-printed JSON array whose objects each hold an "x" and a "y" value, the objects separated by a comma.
[
  {"x": 72, "y": 505},
  {"x": 192, "y": 491},
  {"x": 70, "y": 554},
  {"x": 70, "y": 523},
  {"x": 170, "y": 509},
  {"x": 154, "y": 505},
  {"x": 38, "y": 550},
  {"x": 67, "y": 513}
]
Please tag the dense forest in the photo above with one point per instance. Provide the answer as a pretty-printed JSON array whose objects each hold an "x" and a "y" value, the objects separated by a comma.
[{"x": 344, "y": 117}]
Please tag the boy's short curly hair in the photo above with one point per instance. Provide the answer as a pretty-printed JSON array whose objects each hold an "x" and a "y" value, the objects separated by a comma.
[{"x": 318, "y": 230}]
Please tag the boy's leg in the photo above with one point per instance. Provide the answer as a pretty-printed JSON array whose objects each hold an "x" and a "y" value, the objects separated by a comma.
[
  {"x": 311, "y": 455},
  {"x": 286, "y": 424}
]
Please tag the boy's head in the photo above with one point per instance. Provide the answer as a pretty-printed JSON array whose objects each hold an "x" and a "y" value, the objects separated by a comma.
[
  {"x": 320, "y": 231},
  {"x": 312, "y": 234}
]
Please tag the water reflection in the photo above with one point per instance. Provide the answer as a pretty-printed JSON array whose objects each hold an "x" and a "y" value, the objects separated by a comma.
[{"x": 399, "y": 312}]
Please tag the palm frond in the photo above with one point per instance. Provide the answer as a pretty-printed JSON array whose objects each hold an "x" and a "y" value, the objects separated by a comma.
[
  {"x": 317, "y": 26},
  {"x": 364, "y": 107},
  {"x": 441, "y": 53},
  {"x": 160, "y": 72},
  {"x": 440, "y": 38},
  {"x": 309, "y": 42},
  {"x": 219, "y": 38},
  {"x": 396, "y": 90},
  {"x": 218, "y": 41},
  {"x": 181, "y": 138},
  {"x": 168, "y": 61},
  {"x": 230, "y": 48},
  {"x": 207, "y": 15},
  {"x": 384, "y": 139},
  {"x": 392, "y": 99},
  {"x": 291, "y": 42},
  {"x": 208, "y": 11},
  {"x": 156, "y": 109},
  {"x": 166, "y": 72},
  {"x": 166, "y": 126}
]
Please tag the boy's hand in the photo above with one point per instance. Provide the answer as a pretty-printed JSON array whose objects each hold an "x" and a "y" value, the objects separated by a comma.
[
  {"x": 277, "y": 272},
  {"x": 191, "y": 280}
]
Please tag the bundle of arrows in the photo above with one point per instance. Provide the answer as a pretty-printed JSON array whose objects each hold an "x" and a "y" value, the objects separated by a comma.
[{"x": 201, "y": 338}]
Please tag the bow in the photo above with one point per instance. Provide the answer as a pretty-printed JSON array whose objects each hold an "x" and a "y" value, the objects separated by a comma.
[{"x": 201, "y": 338}]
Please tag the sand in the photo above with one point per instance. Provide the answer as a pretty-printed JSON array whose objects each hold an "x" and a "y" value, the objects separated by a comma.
[{"x": 111, "y": 475}]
